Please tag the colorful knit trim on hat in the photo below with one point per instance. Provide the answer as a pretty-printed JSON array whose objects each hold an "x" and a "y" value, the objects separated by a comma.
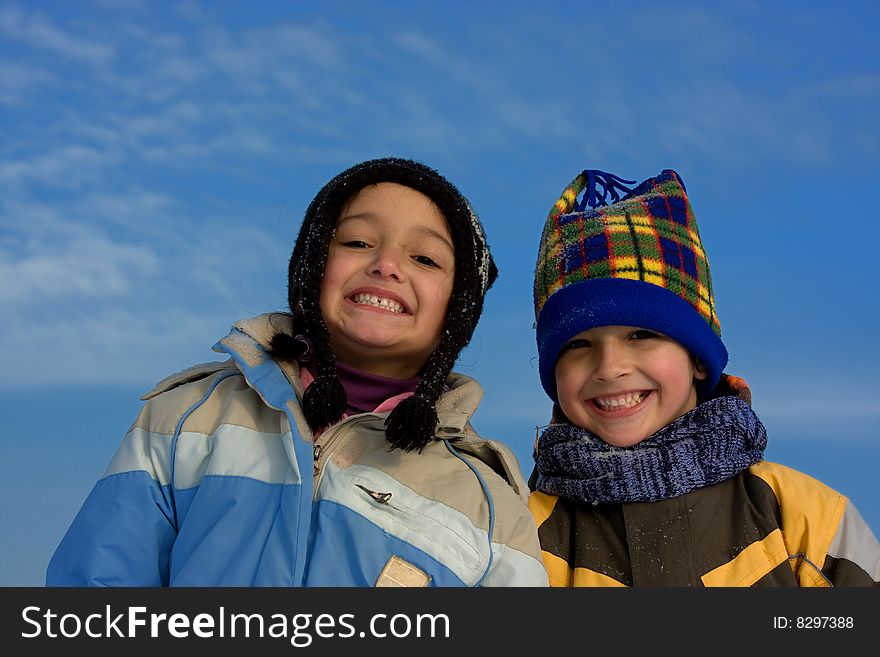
[{"x": 651, "y": 235}]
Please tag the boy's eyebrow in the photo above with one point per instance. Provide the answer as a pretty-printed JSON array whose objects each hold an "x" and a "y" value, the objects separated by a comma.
[{"x": 424, "y": 230}]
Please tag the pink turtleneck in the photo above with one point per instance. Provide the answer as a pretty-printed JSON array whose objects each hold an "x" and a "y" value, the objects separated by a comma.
[{"x": 367, "y": 392}]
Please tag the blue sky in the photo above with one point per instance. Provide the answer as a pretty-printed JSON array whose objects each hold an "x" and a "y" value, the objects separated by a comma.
[{"x": 157, "y": 159}]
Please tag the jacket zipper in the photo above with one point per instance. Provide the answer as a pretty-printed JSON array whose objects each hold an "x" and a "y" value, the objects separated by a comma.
[{"x": 329, "y": 441}]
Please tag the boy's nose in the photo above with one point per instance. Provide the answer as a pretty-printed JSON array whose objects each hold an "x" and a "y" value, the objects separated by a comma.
[{"x": 612, "y": 362}]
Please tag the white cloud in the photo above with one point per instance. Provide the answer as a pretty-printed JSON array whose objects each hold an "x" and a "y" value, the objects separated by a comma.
[
  {"x": 106, "y": 202},
  {"x": 124, "y": 345},
  {"x": 113, "y": 288},
  {"x": 84, "y": 270},
  {"x": 303, "y": 79},
  {"x": 18, "y": 82},
  {"x": 64, "y": 166},
  {"x": 39, "y": 32},
  {"x": 47, "y": 255}
]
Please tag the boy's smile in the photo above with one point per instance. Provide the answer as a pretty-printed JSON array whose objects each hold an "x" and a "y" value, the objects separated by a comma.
[
  {"x": 388, "y": 279},
  {"x": 617, "y": 404},
  {"x": 623, "y": 383}
]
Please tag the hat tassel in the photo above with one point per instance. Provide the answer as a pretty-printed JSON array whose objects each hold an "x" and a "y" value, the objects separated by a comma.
[{"x": 610, "y": 183}]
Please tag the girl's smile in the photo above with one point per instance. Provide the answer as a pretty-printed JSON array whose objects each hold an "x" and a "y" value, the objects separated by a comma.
[{"x": 378, "y": 299}]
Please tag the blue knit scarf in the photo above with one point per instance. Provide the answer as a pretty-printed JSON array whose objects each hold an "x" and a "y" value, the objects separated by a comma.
[{"x": 707, "y": 445}]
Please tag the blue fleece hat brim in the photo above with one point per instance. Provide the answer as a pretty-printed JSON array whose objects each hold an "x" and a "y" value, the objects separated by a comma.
[{"x": 624, "y": 302}]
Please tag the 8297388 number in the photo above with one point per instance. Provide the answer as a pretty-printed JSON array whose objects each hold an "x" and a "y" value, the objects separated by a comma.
[{"x": 821, "y": 622}]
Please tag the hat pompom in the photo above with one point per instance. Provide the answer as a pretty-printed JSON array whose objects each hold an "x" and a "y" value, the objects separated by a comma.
[
  {"x": 288, "y": 347},
  {"x": 324, "y": 401},
  {"x": 412, "y": 424}
]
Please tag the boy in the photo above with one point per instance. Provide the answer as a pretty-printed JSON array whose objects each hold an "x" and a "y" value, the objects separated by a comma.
[{"x": 652, "y": 473}]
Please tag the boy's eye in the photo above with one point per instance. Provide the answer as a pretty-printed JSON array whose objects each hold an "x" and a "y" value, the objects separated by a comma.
[
  {"x": 577, "y": 343},
  {"x": 642, "y": 334}
]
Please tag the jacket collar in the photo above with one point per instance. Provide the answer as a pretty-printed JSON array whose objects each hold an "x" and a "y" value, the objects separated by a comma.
[{"x": 248, "y": 342}]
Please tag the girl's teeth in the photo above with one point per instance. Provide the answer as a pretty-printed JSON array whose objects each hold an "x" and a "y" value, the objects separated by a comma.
[
  {"x": 628, "y": 401},
  {"x": 377, "y": 302}
]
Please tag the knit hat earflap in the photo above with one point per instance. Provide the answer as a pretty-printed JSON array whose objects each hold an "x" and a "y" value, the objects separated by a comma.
[
  {"x": 636, "y": 262},
  {"x": 412, "y": 424}
]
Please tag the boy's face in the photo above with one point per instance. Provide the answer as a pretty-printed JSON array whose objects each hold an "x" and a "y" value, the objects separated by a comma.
[
  {"x": 388, "y": 279},
  {"x": 623, "y": 383}
]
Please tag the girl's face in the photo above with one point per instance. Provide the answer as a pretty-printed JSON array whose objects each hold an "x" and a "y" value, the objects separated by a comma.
[
  {"x": 388, "y": 280},
  {"x": 624, "y": 383}
]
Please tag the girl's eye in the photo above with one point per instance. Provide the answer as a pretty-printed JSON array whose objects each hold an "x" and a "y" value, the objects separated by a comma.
[
  {"x": 642, "y": 334},
  {"x": 578, "y": 343},
  {"x": 425, "y": 260},
  {"x": 356, "y": 244}
]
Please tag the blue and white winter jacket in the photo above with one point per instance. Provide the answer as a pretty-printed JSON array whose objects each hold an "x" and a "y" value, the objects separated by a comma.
[{"x": 220, "y": 483}]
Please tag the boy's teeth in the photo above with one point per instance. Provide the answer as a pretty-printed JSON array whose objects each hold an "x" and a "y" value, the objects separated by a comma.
[
  {"x": 626, "y": 401},
  {"x": 377, "y": 302}
]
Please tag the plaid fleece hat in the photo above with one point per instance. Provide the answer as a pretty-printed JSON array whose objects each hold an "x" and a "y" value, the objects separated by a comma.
[
  {"x": 412, "y": 424},
  {"x": 636, "y": 262}
]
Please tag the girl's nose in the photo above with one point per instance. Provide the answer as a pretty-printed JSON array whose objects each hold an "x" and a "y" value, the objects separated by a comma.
[{"x": 386, "y": 264}]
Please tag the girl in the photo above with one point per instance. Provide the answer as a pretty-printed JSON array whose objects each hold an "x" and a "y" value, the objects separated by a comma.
[{"x": 334, "y": 446}]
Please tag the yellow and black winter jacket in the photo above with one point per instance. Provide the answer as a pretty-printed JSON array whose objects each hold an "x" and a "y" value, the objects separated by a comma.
[{"x": 769, "y": 525}]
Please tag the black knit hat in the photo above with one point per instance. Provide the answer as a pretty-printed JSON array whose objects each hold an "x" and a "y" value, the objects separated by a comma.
[{"x": 411, "y": 425}]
